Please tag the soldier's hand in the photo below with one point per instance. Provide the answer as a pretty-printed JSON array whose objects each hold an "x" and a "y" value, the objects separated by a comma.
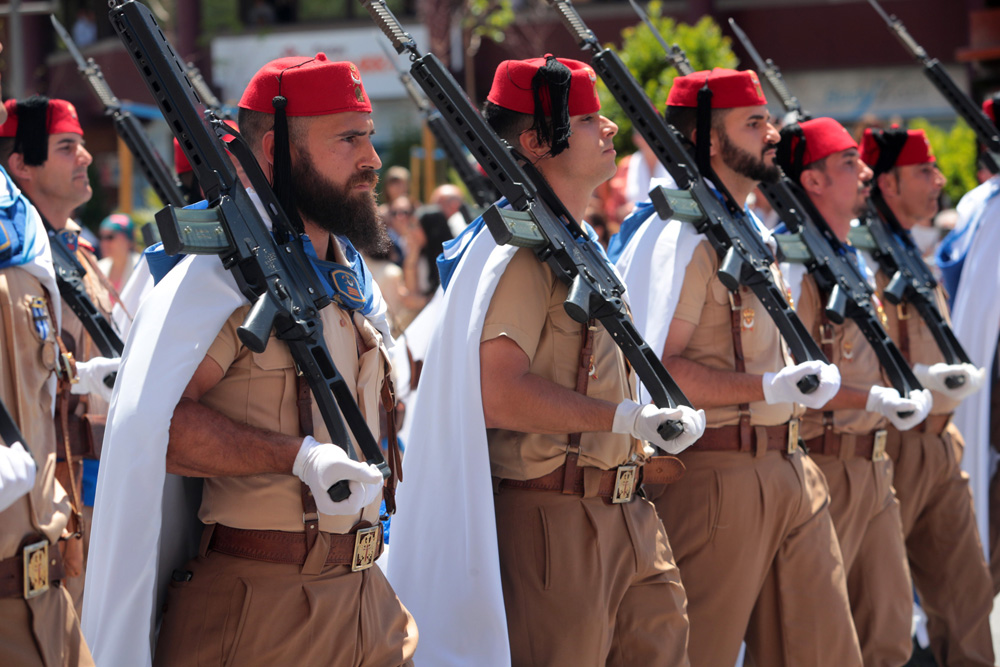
[
  {"x": 92, "y": 373},
  {"x": 643, "y": 422},
  {"x": 321, "y": 465},
  {"x": 17, "y": 474},
  {"x": 782, "y": 387},
  {"x": 887, "y": 401},
  {"x": 954, "y": 380}
]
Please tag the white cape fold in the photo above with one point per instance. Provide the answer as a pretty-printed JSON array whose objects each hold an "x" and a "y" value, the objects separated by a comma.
[
  {"x": 144, "y": 519},
  {"x": 975, "y": 318},
  {"x": 444, "y": 564}
]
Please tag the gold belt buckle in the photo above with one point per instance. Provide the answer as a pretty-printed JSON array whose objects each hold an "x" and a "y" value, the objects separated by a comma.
[
  {"x": 902, "y": 312},
  {"x": 365, "y": 548},
  {"x": 625, "y": 484},
  {"x": 878, "y": 447},
  {"x": 793, "y": 436},
  {"x": 36, "y": 569}
]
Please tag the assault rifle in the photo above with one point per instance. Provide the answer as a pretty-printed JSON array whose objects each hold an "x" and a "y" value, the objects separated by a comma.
[
  {"x": 272, "y": 272},
  {"x": 744, "y": 257},
  {"x": 159, "y": 175},
  {"x": 985, "y": 130},
  {"x": 205, "y": 94},
  {"x": 10, "y": 433},
  {"x": 675, "y": 55},
  {"x": 898, "y": 257},
  {"x": 477, "y": 184},
  {"x": 772, "y": 74},
  {"x": 538, "y": 220}
]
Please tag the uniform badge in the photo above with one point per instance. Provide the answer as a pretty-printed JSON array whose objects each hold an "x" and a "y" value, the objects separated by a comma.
[
  {"x": 847, "y": 349},
  {"x": 355, "y": 74},
  {"x": 749, "y": 317},
  {"x": 358, "y": 94},
  {"x": 789, "y": 298},
  {"x": 881, "y": 311},
  {"x": 70, "y": 239},
  {"x": 40, "y": 317},
  {"x": 756, "y": 84},
  {"x": 592, "y": 371},
  {"x": 348, "y": 290}
]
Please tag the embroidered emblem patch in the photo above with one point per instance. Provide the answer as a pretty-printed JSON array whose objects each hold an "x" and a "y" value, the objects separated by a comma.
[
  {"x": 749, "y": 317},
  {"x": 70, "y": 239},
  {"x": 348, "y": 290},
  {"x": 40, "y": 317}
]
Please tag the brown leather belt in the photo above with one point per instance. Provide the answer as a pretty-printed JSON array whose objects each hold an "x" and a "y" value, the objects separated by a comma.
[
  {"x": 359, "y": 548},
  {"x": 617, "y": 485},
  {"x": 31, "y": 571},
  {"x": 867, "y": 446},
  {"x": 935, "y": 424},
  {"x": 783, "y": 437}
]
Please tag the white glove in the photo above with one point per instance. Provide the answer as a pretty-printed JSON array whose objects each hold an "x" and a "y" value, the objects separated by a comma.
[
  {"x": 17, "y": 474},
  {"x": 888, "y": 402},
  {"x": 321, "y": 465},
  {"x": 92, "y": 373},
  {"x": 781, "y": 387},
  {"x": 934, "y": 377},
  {"x": 641, "y": 421}
]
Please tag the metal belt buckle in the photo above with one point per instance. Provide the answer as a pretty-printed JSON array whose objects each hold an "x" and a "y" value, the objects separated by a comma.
[
  {"x": 67, "y": 367},
  {"x": 625, "y": 484},
  {"x": 365, "y": 548},
  {"x": 878, "y": 447},
  {"x": 36, "y": 569},
  {"x": 902, "y": 312},
  {"x": 793, "y": 436}
]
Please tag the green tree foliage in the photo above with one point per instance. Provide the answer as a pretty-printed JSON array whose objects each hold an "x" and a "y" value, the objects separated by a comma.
[
  {"x": 704, "y": 43},
  {"x": 955, "y": 150}
]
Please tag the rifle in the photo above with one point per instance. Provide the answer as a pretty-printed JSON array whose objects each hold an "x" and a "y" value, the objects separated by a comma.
[
  {"x": 205, "y": 94},
  {"x": 272, "y": 272},
  {"x": 772, "y": 73},
  {"x": 10, "y": 433},
  {"x": 985, "y": 130},
  {"x": 744, "y": 258},
  {"x": 899, "y": 258},
  {"x": 476, "y": 183},
  {"x": 675, "y": 55},
  {"x": 538, "y": 220},
  {"x": 129, "y": 129}
]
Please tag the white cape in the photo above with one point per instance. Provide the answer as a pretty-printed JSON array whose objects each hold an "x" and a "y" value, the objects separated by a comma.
[
  {"x": 444, "y": 564},
  {"x": 143, "y": 519},
  {"x": 975, "y": 319}
]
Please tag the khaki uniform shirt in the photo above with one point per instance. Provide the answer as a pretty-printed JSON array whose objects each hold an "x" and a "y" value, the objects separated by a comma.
[
  {"x": 261, "y": 390},
  {"x": 527, "y": 307},
  {"x": 704, "y": 302},
  {"x": 27, "y": 360},
  {"x": 923, "y": 348},
  {"x": 859, "y": 367}
]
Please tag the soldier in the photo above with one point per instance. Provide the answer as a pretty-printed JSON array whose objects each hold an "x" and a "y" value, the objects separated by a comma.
[
  {"x": 943, "y": 545},
  {"x": 847, "y": 438},
  {"x": 42, "y": 145},
  {"x": 757, "y": 548},
  {"x": 515, "y": 390},
  {"x": 38, "y": 623},
  {"x": 296, "y": 566}
]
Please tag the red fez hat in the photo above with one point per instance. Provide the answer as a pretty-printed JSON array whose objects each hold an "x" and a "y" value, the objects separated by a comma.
[
  {"x": 181, "y": 164},
  {"x": 812, "y": 140},
  {"x": 988, "y": 108},
  {"x": 730, "y": 89},
  {"x": 884, "y": 149},
  {"x": 512, "y": 87},
  {"x": 60, "y": 117},
  {"x": 313, "y": 87}
]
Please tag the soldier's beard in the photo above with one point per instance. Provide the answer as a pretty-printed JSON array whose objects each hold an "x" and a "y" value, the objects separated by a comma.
[
  {"x": 340, "y": 210},
  {"x": 746, "y": 164}
]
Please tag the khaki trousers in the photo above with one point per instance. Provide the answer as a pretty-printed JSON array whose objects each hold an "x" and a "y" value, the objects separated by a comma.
[
  {"x": 236, "y": 611},
  {"x": 866, "y": 517},
  {"x": 43, "y": 632},
  {"x": 588, "y": 584},
  {"x": 755, "y": 544},
  {"x": 942, "y": 542}
]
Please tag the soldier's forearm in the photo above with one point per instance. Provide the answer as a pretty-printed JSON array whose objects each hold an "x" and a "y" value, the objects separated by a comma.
[{"x": 709, "y": 387}]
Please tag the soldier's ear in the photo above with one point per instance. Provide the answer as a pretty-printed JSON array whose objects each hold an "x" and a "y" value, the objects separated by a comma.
[
  {"x": 267, "y": 147},
  {"x": 812, "y": 181},
  {"x": 18, "y": 169},
  {"x": 530, "y": 146}
]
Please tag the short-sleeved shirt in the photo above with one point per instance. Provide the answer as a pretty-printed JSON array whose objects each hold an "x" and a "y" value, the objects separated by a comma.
[
  {"x": 705, "y": 303},
  {"x": 923, "y": 349},
  {"x": 527, "y": 307},
  {"x": 851, "y": 353},
  {"x": 261, "y": 390}
]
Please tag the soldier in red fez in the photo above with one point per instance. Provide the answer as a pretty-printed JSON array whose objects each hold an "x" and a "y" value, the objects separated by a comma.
[
  {"x": 847, "y": 439},
  {"x": 42, "y": 146},
  {"x": 38, "y": 622},
  {"x": 285, "y": 575},
  {"x": 758, "y": 553},
  {"x": 586, "y": 575},
  {"x": 939, "y": 525}
]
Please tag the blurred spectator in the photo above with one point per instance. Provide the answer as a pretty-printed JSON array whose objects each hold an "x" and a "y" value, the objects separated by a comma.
[
  {"x": 761, "y": 207},
  {"x": 262, "y": 13},
  {"x": 448, "y": 198},
  {"x": 403, "y": 305},
  {"x": 641, "y": 168},
  {"x": 396, "y": 183},
  {"x": 118, "y": 255},
  {"x": 436, "y": 228},
  {"x": 84, "y": 28}
]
